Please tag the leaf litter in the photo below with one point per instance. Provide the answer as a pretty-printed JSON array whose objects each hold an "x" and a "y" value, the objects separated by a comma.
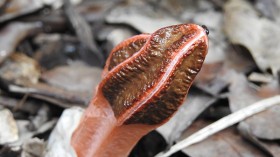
[
  {"x": 51, "y": 59},
  {"x": 266, "y": 124},
  {"x": 222, "y": 124},
  {"x": 259, "y": 35},
  {"x": 226, "y": 142}
]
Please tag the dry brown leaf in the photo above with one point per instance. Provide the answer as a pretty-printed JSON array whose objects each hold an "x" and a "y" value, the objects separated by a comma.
[
  {"x": 12, "y": 34},
  {"x": 222, "y": 124},
  {"x": 259, "y": 35},
  {"x": 271, "y": 148},
  {"x": 58, "y": 144},
  {"x": 34, "y": 147},
  {"x": 143, "y": 18},
  {"x": 20, "y": 69},
  {"x": 264, "y": 125},
  {"x": 213, "y": 78},
  {"x": 75, "y": 77},
  {"x": 225, "y": 143},
  {"x": 20, "y": 8},
  {"x": 8, "y": 127}
]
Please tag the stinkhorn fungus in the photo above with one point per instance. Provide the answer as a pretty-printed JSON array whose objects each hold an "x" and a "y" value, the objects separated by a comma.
[{"x": 145, "y": 80}]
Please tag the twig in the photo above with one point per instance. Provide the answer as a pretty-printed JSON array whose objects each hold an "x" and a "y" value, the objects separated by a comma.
[
  {"x": 222, "y": 124},
  {"x": 21, "y": 102},
  {"x": 83, "y": 30}
]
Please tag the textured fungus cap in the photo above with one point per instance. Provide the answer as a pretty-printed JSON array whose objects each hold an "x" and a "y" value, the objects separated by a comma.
[{"x": 148, "y": 76}]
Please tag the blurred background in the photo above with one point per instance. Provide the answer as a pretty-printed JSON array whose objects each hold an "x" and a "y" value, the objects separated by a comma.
[{"x": 52, "y": 53}]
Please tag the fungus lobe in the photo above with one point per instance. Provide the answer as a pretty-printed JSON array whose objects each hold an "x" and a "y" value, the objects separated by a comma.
[{"x": 145, "y": 80}]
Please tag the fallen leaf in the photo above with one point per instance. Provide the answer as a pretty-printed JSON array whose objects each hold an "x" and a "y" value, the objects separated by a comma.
[
  {"x": 12, "y": 34},
  {"x": 213, "y": 78},
  {"x": 20, "y": 69},
  {"x": 54, "y": 50},
  {"x": 222, "y": 124},
  {"x": 95, "y": 11},
  {"x": 27, "y": 133},
  {"x": 258, "y": 34},
  {"x": 8, "y": 127},
  {"x": 41, "y": 117},
  {"x": 226, "y": 142},
  {"x": 264, "y": 125},
  {"x": 48, "y": 93},
  {"x": 238, "y": 59},
  {"x": 19, "y": 8},
  {"x": 143, "y": 18},
  {"x": 74, "y": 77},
  {"x": 59, "y": 141},
  {"x": 271, "y": 148},
  {"x": 85, "y": 34},
  {"x": 33, "y": 148}
]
